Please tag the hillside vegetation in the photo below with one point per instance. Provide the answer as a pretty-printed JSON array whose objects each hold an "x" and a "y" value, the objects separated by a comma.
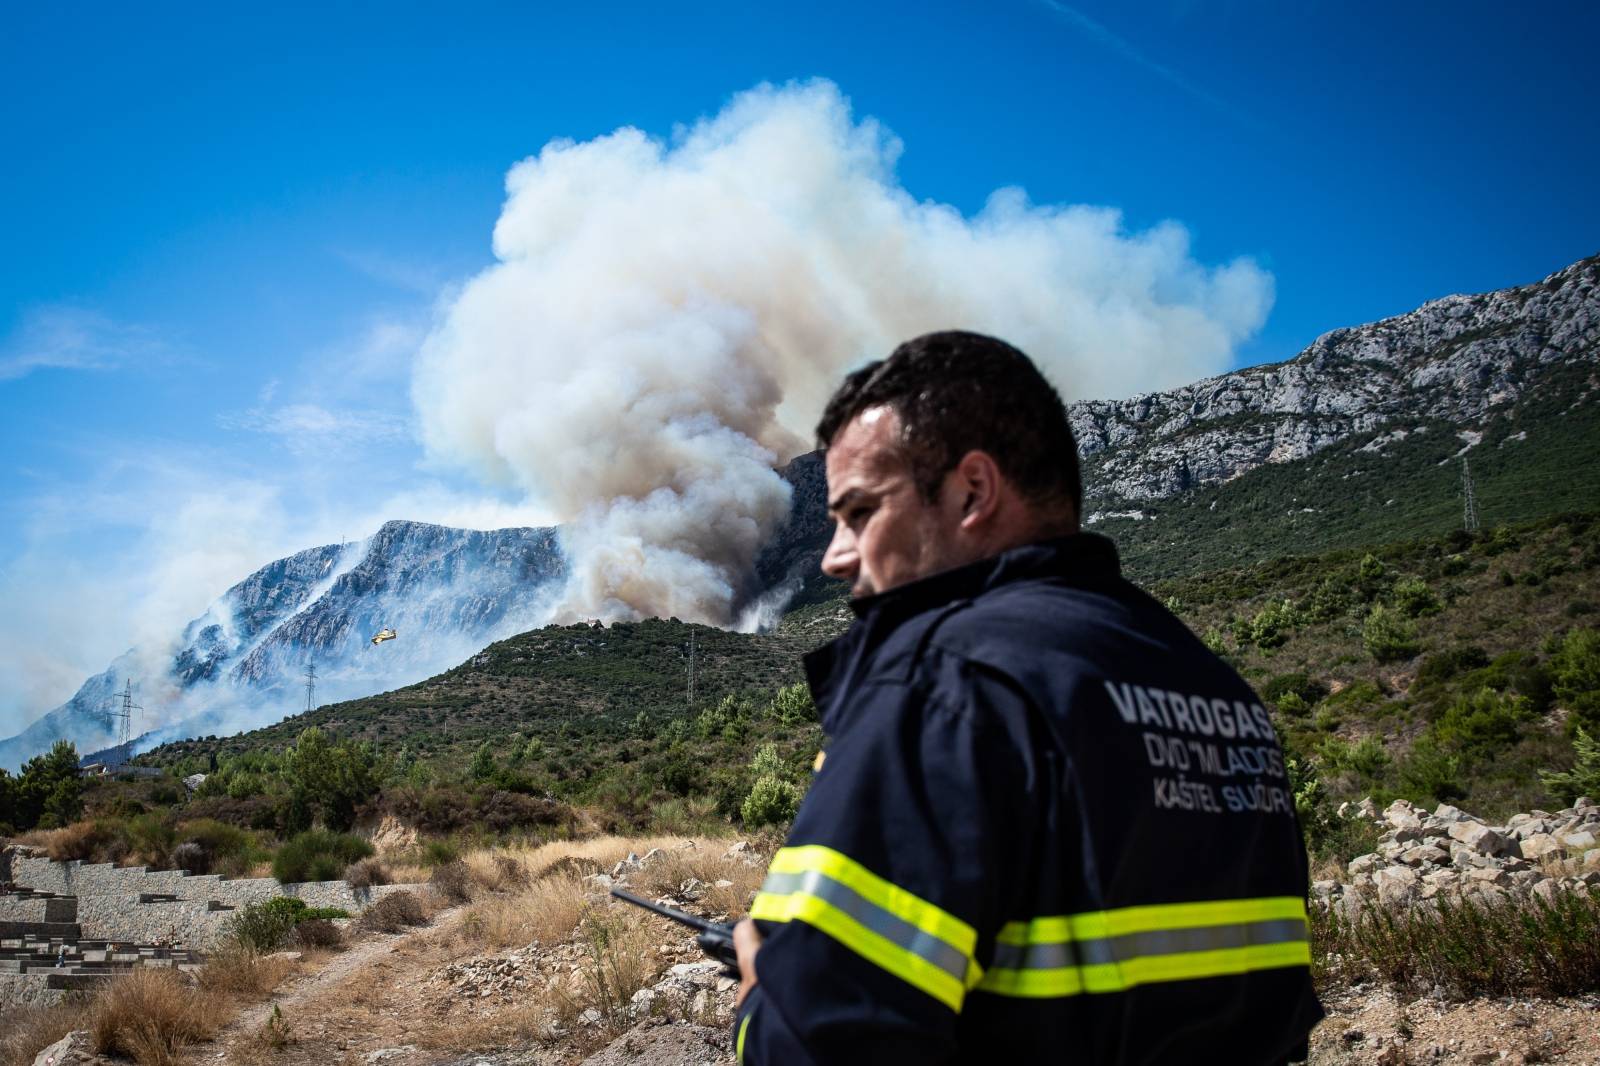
[
  {"x": 1445, "y": 669},
  {"x": 1534, "y": 459},
  {"x": 1460, "y": 668}
]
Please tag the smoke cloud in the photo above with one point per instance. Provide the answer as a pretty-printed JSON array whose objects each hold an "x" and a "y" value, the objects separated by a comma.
[{"x": 665, "y": 320}]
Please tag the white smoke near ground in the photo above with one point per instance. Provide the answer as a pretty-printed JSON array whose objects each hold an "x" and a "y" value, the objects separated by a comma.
[{"x": 666, "y": 319}]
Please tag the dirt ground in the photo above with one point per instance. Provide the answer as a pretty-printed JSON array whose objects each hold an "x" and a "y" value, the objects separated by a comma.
[
  {"x": 1372, "y": 1026},
  {"x": 379, "y": 1003}
]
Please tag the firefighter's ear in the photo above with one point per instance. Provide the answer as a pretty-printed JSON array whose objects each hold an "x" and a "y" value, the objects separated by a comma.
[{"x": 977, "y": 483}]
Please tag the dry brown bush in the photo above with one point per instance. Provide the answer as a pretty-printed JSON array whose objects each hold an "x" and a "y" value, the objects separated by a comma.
[
  {"x": 80, "y": 840},
  {"x": 150, "y": 1015},
  {"x": 365, "y": 873},
  {"x": 576, "y": 865},
  {"x": 318, "y": 933},
  {"x": 236, "y": 972},
  {"x": 392, "y": 913},
  {"x": 453, "y": 881},
  {"x": 29, "y": 1030}
]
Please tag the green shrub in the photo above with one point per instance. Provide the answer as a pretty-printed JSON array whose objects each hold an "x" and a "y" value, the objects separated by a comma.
[
  {"x": 1291, "y": 704},
  {"x": 1367, "y": 757},
  {"x": 318, "y": 855},
  {"x": 1413, "y": 598},
  {"x": 1372, "y": 577},
  {"x": 1389, "y": 636},
  {"x": 1355, "y": 696},
  {"x": 1482, "y": 724},
  {"x": 1575, "y": 677},
  {"x": 1429, "y": 772},
  {"x": 1515, "y": 671},
  {"x": 1329, "y": 600},
  {"x": 1584, "y": 777},
  {"x": 1274, "y": 624},
  {"x": 265, "y": 926},
  {"x": 1440, "y": 667},
  {"x": 439, "y": 852},
  {"x": 330, "y": 778},
  {"x": 793, "y": 705},
  {"x": 772, "y": 801},
  {"x": 1308, "y": 689}
]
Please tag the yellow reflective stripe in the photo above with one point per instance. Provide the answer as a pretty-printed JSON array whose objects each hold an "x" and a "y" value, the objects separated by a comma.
[
  {"x": 1112, "y": 951},
  {"x": 738, "y": 1048},
  {"x": 1120, "y": 977},
  {"x": 896, "y": 930},
  {"x": 906, "y": 906},
  {"x": 1126, "y": 920}
]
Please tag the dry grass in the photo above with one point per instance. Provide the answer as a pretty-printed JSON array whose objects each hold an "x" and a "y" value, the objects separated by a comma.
[
  {"x": 29, "y": 1030},
  {"x": 666, "y": 876},
  {"x": 620, "y": 955},
  {"x": 547, "y": 911},
  {"x": 149, "y": 1016},
  {"x": 537, "y": 893},
  {"x": 236, "y": 973}
]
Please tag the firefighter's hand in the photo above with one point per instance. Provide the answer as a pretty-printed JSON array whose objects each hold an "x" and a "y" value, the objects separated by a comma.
[{"x": 746, "y": 941}]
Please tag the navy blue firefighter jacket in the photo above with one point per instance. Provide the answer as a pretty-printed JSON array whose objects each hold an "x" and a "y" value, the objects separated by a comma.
[{"x": 1050, "y": 826}]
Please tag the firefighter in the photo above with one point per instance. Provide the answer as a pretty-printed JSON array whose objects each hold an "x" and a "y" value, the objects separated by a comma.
[{"x": 1050, "y": 825}]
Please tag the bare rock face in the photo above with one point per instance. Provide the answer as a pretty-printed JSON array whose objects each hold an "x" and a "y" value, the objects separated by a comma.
[
  {"x": 446, "y": 591},
  {"x": 1451, "y": 360}
]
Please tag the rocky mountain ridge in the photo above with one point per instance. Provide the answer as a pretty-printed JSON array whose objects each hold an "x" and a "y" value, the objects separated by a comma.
[
  {"x": 1454, "y": 360},
  {"x": 447, "y": 592}
]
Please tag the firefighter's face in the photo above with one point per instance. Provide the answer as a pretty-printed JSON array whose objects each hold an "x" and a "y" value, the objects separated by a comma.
[{"x": 885, "y": 534}]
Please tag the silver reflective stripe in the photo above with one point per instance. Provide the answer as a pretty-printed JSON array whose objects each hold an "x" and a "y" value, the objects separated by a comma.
[
  {"x": 898, "y": 932},
  {"x": 1141, "y": 945}
]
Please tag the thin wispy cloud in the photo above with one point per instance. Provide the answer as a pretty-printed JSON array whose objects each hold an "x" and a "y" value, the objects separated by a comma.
[
  {"x": 310, "y": 426},
  {"x": 1103, "y": 37},
  {"x": 419, "y": 278},
  {"x": 74, "y": 338}
]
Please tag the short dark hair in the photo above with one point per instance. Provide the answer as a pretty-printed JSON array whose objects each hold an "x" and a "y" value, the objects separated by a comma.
[{"x": 956, "y": 392}]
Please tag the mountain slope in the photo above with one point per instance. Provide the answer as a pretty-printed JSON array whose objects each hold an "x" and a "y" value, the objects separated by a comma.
[
  {"x": 1360, "y": 439},
  {"x": 446, "y": 591}
]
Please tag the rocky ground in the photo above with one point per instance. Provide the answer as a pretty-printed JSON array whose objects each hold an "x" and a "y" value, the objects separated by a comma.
[
  {"x": 1373, "y": 1026},
  {"x": 1457, "y": 855}
]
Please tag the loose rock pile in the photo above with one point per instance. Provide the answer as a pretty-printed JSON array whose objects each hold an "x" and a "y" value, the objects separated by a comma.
[{"x": 1456, "y": 855}]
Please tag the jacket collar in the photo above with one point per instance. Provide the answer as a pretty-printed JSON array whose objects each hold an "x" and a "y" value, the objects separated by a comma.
[{"x": 1077, "y": 559}]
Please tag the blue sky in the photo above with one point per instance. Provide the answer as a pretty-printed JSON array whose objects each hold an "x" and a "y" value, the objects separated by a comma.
[{"x": 226, "y": 234}]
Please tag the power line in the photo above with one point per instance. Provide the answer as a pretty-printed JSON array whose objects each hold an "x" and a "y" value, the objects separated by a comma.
[
  {"x": 691, "y": 667},
  {"x": 124, "y": 712},
  {"x": 311, "y": 685},
  {"x": 1470, "y": 498}
]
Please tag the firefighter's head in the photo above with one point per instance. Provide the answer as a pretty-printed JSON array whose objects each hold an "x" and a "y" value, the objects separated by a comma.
[{"x": 953, "y": 449}]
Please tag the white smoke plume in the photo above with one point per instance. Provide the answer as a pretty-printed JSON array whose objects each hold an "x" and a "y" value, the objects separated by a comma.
[{"x": 665, "y": 320}]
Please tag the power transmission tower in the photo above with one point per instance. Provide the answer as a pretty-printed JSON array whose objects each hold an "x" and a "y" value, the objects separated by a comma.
[
  {"x": 311, "y": 685},
  {"x": 691, "y": 668},
  {"x": 125, "y": 713},
  {"x": 1470, "y": 515}
]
